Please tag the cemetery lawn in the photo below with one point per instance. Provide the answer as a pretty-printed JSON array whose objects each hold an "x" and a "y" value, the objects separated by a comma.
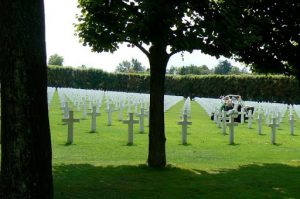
[{"x": 102, "y": 165}]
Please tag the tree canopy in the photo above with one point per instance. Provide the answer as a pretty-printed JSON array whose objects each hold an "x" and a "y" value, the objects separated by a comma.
[
  {"x": 133, "y": 66},
  {"x": 56, "y": 59},
  {"x": 266, "y": 33},
  {"x": 178, "y": 25}
]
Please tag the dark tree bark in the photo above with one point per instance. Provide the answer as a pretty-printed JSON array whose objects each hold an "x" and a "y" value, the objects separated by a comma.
[
  {"x": 26, "y": 170},
  {"x": 158, "y": 59}
]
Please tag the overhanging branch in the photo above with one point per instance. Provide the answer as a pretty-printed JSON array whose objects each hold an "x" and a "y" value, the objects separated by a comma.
[{"x": 139, "y": 46}]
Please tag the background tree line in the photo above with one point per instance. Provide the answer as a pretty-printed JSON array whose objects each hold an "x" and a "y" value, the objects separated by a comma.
[{"x": 223, "y": 68}]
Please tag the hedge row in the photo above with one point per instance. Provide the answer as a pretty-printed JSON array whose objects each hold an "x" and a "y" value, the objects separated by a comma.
[{"x": 251, "y": 87}]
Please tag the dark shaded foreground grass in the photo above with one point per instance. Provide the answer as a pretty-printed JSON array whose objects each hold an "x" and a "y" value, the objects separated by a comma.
[{"x": 140, "y": 182}]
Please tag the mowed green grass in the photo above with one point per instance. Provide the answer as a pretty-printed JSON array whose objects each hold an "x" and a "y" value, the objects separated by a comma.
[{"x": 102, "y": 165}]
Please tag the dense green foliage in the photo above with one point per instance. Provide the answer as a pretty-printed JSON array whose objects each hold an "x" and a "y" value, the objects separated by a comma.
[
  {"x": 56, "y": 60},
  {"x": 191, "y": 69},
  {"x": 266, "y": 33},
  {"x": 133, "y": 66},
  {"x": 251, "y": 87},
  {"x": 223, "y": 68}
]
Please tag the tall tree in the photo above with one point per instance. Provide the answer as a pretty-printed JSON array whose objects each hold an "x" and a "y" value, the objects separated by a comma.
[
  {"x": 130, "y": 67},
  {"x": 26, "y": 170},
  {"x": 159, "y": 29},
  {"x": 56, "y": 59},
  {"x": 223, "y": 68}
]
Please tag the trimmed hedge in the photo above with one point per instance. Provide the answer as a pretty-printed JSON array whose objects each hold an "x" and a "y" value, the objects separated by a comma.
[{"x": 251, "y": 87}]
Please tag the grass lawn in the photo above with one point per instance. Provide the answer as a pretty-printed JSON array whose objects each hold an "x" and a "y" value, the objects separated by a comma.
[{"x": 101, "y": 165}]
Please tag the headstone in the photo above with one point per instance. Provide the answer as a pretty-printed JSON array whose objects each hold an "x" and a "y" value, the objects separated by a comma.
[
  {"x": 231, "y": 125},
  {"x": 259, "y": 121},
  {"x": 70, "y": 121},
  {"x": 110, "y": 110},
  {"x": 219, "y": 119},
  {"x": 142, "y": 115},
  {"x": 184, "y": 125},
  {"x": 268, "y": 118},
  {"x": 223, "y": 120},
  {"x": 250, "y": 118},
  {"x": 121, "y": 107},
  {"x": 136, "y": 108},
  {"x": 215, "y": 115},
  {"x": 130, "y": 123},
  {"x": 78, "y": 106},
  {"x": 242, "y": 113},
  {"x": 66, "y": 110},
  {"x": 292, "y": 124},
  {"x": 84, "y": 109},
  {"x": 129, "y": 110},
  {"x": 273, "y": 126},
  {"x": 94, "y": 115}
]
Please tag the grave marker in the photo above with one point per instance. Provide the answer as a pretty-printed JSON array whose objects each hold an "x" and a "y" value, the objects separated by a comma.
[
  {"x": 184, "y": 125},
  {"x": 259, "y": 121},
  {"x": 121, "y": 107},
  {"x": 94, "y": 115},
  {"x": 66, "y": 110},
  {"x": 273, "y": 126},
  {"x": 250, "y": 118},
  {"x": 242, "y": 113},
  {"x": 70, "y": 121},
  {"x": 141, "y": 116},
  {"x": 84, "y": 110},
  {"x": 231, "y": 125},
  {"x": 292, "y": 124},
  {"x": 109, "y": 114},
  {"x": 130, "y": 123},
  {"x": 223, "y": 119}
]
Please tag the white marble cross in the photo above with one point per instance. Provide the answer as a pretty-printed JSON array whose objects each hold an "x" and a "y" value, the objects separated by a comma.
[
  {"x": 121, "y": 107},
  {"x": 216, "y": 115},
  {"x": 130, "y": 123},
  {"x": 231, "y": 125},
  {"x": 129, "y": 104},
  {"x": 292, "y": 124},
  {"x": 110, "y": 110},
  {"x": 136, "y": 108},
  {"x": 184, "y": 125},
  {"x": 70, "y": 121},
  {"x": 223, "y": 120},
  {"x": 66, "y": 110},
  {"x": 273, "y": 126},
  {"x": 94, "y": 115},
  {"x": 141, "y": 116},
  {"x": 84, "y": 110},
  {"x": 219, "y": 119},
  {"x": 259, "y": 121},
  {"x": 250, "y": 118},
  {"x": 242, "y": 113}
]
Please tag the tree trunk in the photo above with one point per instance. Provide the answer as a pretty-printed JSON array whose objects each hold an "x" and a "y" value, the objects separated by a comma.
[
  {"x": 26, "y": 170},
  {"x": 158, "y": 62}
]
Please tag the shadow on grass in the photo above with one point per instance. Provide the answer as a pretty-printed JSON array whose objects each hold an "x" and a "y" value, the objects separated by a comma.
[{"x": 139, "y": 182}]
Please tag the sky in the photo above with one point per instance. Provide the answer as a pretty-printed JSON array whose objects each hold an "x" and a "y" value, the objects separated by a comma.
[{"x": 60, "y": 15}]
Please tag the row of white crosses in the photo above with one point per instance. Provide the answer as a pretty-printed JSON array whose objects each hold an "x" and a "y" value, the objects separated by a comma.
[
  {"x": 114, "y": 101},
  {"x": 272, "y": 112}
]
